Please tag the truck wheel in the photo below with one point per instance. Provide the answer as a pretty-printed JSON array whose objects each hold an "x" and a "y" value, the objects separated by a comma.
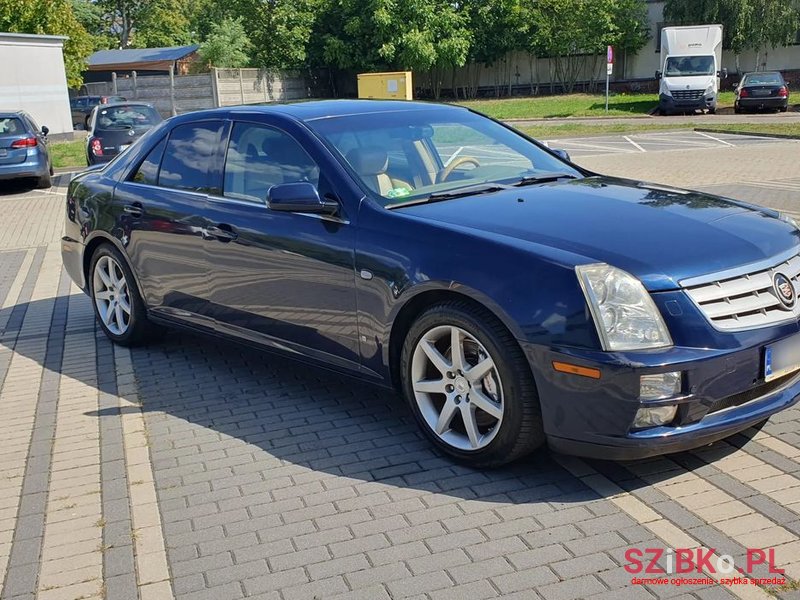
[{"x": 470, "y": 387}]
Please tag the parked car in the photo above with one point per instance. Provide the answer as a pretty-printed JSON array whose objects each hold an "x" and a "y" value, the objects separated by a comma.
[
  {"x": 515, "y": 298},
  {"x": 81, "y": 107},
  {"x": 113, "y": 128},
  {"x": 757, "y": 91},
  {"x": 24, "y": 152}
]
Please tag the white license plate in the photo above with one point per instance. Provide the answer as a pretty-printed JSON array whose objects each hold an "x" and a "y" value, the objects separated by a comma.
[
  {"x": 782, "y": 358},
  {"x": 124, "y": 147},
  {"x": 761, "y": 92},
  {"x": 3, "y": 152}
]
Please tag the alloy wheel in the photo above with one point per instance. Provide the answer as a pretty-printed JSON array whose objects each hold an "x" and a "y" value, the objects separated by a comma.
[
  {"x": 457, "y": 388},
  {"x": 111, "y": 295}
]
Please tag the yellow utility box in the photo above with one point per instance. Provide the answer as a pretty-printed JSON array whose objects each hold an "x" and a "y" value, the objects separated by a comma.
[{"x": 396, "y": 86}]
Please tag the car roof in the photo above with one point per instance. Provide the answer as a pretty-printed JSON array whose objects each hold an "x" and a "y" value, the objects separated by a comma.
[
  {"x": 12, "y": 114},
  {"x": 321, "y": 109},
  {"x": 763, "y": 73}
]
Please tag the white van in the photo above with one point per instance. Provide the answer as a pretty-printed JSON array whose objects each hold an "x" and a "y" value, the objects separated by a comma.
[{"x": 690, "y": 68}]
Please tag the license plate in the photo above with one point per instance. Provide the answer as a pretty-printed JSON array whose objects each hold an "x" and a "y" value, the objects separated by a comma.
[
  {"x": 124, "y": 147},
  {"x": 3, "y": 152},
  {"x": 782, "y": 358},
  {"x": 761, "y": 92}
]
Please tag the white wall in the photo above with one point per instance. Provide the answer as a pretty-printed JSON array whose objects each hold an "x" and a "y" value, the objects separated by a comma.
[{"x": 33, "y": 78}]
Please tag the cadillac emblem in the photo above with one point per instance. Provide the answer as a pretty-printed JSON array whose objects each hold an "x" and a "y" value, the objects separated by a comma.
[{"x": 784, "y": 290}]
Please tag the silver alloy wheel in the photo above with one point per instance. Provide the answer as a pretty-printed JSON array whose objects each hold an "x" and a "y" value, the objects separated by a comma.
[
  {"x": 111, "y": 295},
  {"x": 457, "y": 388}
]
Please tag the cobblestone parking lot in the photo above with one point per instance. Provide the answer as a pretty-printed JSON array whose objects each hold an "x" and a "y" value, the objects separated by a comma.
[{"x": 195, "y": 469}]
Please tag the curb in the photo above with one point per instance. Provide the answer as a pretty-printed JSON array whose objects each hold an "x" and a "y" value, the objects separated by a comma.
[{"x": 781, "y": 136}]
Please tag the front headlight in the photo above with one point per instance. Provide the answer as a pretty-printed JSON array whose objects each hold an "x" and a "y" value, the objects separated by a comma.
[
  {"x": 710, "y": 89},
  {"x": 624, "y": 313}
]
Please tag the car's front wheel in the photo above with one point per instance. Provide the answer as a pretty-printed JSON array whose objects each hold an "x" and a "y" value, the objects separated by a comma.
[
  {"x": 118, "y": 305},
  {"x": 470, "y": 386}
]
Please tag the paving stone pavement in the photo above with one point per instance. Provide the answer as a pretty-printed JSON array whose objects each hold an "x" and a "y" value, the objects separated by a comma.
[{"x": 193, "y": 469}]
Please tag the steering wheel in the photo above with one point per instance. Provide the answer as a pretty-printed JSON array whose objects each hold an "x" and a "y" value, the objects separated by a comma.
[{"x": 455, "y": 163}]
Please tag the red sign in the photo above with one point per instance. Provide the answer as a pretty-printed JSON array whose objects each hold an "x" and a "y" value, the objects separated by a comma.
[{"x": 610, "y": 55}]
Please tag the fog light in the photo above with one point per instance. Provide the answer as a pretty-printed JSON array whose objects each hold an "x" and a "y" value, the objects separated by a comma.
[
  {"x": 654, "y": 416},
  {"x": 660, "y": 386}
]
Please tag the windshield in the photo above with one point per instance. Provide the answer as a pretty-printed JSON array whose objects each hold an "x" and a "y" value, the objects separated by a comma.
[
  {"x": 688, "y": 66},
  {"x": 762, "y": 79},
  {"x": 124, "y": 116},
  {"x": 408, "y": 155}
]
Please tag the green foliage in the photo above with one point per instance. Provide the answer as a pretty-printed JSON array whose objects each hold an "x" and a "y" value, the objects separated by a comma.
[
  {"x": 164, "y": 23},
  {"x": 380, "y": 34},
  {"x": 50, "y": 17},
  {"x": 226, "y": 45}
]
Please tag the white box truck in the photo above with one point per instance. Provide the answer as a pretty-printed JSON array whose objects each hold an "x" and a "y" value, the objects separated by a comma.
[{"x": 690, "y": 68}]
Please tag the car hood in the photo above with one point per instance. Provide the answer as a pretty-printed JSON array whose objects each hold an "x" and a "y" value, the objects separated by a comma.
[
  {"x": 660, "y": 234},
  {"x": 694, "y": 82}
]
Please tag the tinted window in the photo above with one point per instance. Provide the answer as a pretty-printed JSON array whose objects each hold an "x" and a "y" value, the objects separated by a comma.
[
  {"x": 260, "y": 157},
  {"x": 188, "y": 159},
  {"x": 762, "y": 79},
  {"x": 11, "y": 127},
  {"x": 148, "y": 170},
  {"x": 121, "y": 117}
]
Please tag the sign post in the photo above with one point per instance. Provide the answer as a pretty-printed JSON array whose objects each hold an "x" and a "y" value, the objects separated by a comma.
[{"x": 609, "y": 69}]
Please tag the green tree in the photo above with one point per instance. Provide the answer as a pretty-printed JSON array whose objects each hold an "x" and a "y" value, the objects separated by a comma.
[
  {"x": 227, "y": 45},
  {"x": 164, "y": 23},
  {"x": 50, "y": 17},
  {"x": 422, "y": 35}
]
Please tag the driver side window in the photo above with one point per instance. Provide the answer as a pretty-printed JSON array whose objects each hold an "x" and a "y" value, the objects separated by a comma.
[{"x": 259, "y": 157}]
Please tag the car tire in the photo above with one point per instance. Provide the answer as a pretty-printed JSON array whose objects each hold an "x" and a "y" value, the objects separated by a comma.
[
  {"x": 502, "y": 404},
  {"x": 112, "y": 287},
  {"x": 44, "y": 182},
  {"x": 784, "y": 109}
]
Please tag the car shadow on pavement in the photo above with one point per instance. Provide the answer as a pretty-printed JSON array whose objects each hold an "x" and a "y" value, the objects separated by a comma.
[
  {"x": 207, "y": 402},
  {"x": 21, "y": 187}
]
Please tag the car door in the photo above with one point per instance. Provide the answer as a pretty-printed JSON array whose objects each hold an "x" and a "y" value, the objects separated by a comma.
[
  {"x": 279, "y": 278},
  {"x": 162, "y": 205}
]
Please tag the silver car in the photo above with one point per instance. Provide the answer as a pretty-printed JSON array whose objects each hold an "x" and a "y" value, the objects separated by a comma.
[{"x": 24, "y": 152}]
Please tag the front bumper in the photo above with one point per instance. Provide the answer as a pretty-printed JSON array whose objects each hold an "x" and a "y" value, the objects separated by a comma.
[
  {"x": 723, "y": 393},
  {"x": 671, "y": 104}
]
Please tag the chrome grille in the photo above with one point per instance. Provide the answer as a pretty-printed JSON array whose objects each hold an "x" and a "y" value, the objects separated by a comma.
[
  {"x": 687, "y": 94},
  {"x": 747, "y": 301}
]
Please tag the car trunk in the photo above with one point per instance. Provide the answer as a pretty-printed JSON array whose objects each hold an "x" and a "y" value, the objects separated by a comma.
[
  {"x": 11, "y": 130},
  {"x": 763, "y": 91}
]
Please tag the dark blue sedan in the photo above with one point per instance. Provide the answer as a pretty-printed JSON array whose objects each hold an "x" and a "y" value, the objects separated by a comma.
[{"x": 515, "y": 298}]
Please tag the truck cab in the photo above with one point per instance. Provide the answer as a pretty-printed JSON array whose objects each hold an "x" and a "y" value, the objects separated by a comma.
[{"x": 690, "y": 68}]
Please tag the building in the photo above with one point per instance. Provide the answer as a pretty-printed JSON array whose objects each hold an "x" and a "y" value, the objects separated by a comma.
[
  {"x": 34, "y": 79},
  {"x": 145, "y": 61}
]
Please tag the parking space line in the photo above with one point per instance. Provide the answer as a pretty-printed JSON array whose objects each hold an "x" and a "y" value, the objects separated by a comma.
[
  {"x": 711, "y": 137},
  {"x": 634, "y": 144},
  {"x": 599, "y": 147}
]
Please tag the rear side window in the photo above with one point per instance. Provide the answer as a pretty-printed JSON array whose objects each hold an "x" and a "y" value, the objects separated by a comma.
[
  {"x": 189, "y": 156},
  {"x": 148, "y": 171},
  {"x": 11, "y": 127}
]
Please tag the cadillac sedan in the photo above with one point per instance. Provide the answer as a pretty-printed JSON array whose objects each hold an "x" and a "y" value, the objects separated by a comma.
[{"x": 513, "y": 297}]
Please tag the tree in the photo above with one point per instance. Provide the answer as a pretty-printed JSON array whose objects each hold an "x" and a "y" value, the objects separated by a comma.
[
  {"x": 747, "y": 24},
  {"x": 423, "y": 35},
  {"x": 50, "y": 17},
  {"x": 164, "y": 23},
  {"x": 227, "y": 45}
]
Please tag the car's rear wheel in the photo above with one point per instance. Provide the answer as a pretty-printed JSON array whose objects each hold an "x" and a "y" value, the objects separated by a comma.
[
  {"x": 470, "y": 386},
  {"x": 118, "y": 305},
  {"x": 45, "y": 181}
]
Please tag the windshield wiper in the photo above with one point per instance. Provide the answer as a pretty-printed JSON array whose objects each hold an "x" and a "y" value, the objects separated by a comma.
[
  {"x": 544, "y": 178},
  {"x": 473, "y": 190}
]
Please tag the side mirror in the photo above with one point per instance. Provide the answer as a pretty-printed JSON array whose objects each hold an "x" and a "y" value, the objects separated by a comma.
[
  {"x": 659, "y": 74},
  {"x": 45, "y": 130},
  {"x": 299, "y": 197},
  {"x": 723, "y": 73},
  {"x": 736, "y": 85},
  {"x": 563, "y": 154}
]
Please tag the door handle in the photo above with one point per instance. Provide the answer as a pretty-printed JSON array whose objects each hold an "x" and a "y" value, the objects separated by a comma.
[
  {"x": 222, "y": 232},
  {"x": 135, "y": 209}
]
